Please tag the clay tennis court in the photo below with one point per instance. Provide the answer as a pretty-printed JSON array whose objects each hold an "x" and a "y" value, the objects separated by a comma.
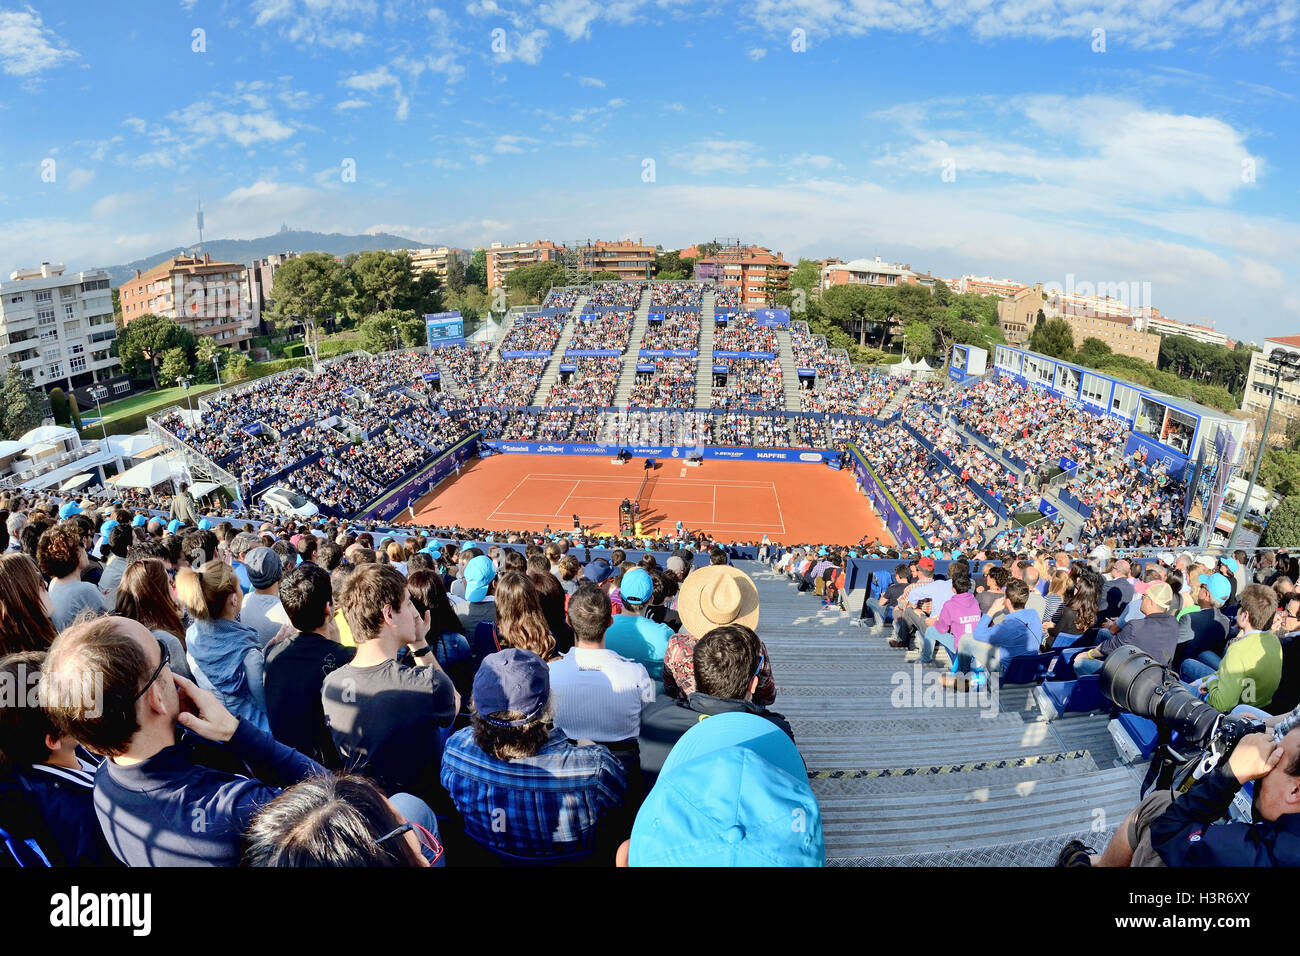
[{"x": 739, "y": 501}]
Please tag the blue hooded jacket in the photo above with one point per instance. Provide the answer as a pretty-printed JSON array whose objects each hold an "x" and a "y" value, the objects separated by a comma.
[{"x": 226, "y": 658}]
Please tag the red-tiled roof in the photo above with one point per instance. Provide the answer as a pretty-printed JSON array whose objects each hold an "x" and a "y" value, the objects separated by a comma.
[{"x": 1291, "y": 340}]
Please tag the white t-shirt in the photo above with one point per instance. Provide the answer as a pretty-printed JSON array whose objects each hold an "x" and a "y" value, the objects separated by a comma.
[{"x": 263, "y": 613}]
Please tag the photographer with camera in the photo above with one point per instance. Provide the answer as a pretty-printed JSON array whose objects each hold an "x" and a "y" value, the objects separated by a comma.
[{"x": 1185, "y": 829}]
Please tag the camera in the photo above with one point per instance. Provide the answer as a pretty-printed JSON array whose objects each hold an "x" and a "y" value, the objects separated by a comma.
[{"x": 1136, "y": 682}]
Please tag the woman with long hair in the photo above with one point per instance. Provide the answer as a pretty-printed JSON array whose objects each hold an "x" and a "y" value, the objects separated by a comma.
[
  {"x": 145, "y": 594},
  {"x": 1079, "y": 611},
  {"x": 224, "y": 655},
  {"x": 25, "y": 623},
  {"x": 521, "y": 622},
  {"x": 554, "y": 602}
]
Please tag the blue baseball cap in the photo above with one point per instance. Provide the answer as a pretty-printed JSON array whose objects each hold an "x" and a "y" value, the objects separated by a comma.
[
  {"x": 1230, "y": 564},
  {"x": 68, "y": 509},
  {"x": 204, "y": 524},
  {"x": 512, "y": 680},
  {"x": 597, "y": 571},
  {"x": 733, "y": 792},
  {"x": 478, "y": 575},
  {"x": 107, "y": 526},
  {"x": 821, "y": 552},
  {"x": 1219, "y": 587},
  {"x": 636, "y": 586},
  {"x": 139, "y": 521},
  {"x": 173, "y": 525}
]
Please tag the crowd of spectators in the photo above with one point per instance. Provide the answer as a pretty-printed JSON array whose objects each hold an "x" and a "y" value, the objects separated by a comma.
[
  {"x": 593, "y": 381},
  {"x": 678, "y": 330},
  {"x": 659, "y": 428},
  {"x": 609, "y": 330},
  {"x": 562, "y": 298},
  {"x": 534, "y": 333},
  {"x": 755, "y": 431},
  {"x": 727, "y": 299},
  {"x": 510, "y": 382},
  {"x": 1133, "y": 500},
  {"x": 676, "y": 294},
  {"x": 670, "y": 385},
  {"x": 744, "y": 334},
  {"x": 625, "y": 295},
  {"x": 464, "y": 364},
  {"x": 750, "y": 383}
]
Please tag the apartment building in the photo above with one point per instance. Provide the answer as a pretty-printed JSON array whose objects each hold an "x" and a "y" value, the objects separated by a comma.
[
  {"x": 57, "y": 330},
  {"x": 1259, "y": 382},
  {"x": 984, "y": 285},
  {"x": 751, "y": 269},
  {"x": 207, "y": 297},
  {"x": 1019, "y": 312},
  {"x": 502, "y": 259},
  {"x": 435, "y": 260},
  {"x": 626, "y": 259},
  {"x": 261, "y": 280},
  {"x": 1151, "y": 320},
  {"x": 867, "y": 272}
]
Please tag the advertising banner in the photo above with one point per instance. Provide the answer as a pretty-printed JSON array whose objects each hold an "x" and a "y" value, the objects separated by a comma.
[
  {"x": 669, "y": 353},
  {"x": 444, "y": 328},
  {"x": 594, "y": 353},
  {"x": 610, "y": 449},
  {"x": 525, "y": 354},
  {"x": 743, "y": 355},
  {"x": 771, "y": 318}
]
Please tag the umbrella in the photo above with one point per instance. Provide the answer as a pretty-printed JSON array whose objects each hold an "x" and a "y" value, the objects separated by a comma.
[
  {"x": 148, "y": 474},
  {"x": 77, "y": 481}
]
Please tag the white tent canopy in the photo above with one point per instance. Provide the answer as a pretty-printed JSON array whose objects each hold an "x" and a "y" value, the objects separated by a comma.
[
  {"x": 128, "y": 446},
  {"x": 49, "y": 433},
  {"x": 9, "y": 448},
  {"x": 40, "y": 448},
  {"x": 149, "y": 474},
  {"x": 77, "y": 481},
  {"x": 201, "y": 488}
]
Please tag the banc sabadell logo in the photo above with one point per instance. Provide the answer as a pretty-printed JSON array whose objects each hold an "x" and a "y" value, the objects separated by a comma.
[
  {"x": 675, "y": 453},
  {"x": 809, "y": 456}
]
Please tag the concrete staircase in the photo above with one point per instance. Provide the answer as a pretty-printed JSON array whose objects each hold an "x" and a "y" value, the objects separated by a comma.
[
  {"x": 704, "y": 366},
  {"x": 789, "y": 370},
  {"x": 447, "y": 382},
  {"x": 627, "y": 378},
  {"x": 551, "y": 374},
  {"x": 894, "y": 403},
  {"x": 907, "y": 780}
]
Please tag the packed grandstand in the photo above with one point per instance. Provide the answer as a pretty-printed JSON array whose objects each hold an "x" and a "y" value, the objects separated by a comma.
[{"x": 408, "y": 694}]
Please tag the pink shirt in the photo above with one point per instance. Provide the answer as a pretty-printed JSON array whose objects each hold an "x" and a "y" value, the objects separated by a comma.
[{"x": 960, "y": 614}]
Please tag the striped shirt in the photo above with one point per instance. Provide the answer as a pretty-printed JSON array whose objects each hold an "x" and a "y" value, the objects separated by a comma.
[
  {"x": 540, "y": 806},
  {"x": 599, "y": 695}
]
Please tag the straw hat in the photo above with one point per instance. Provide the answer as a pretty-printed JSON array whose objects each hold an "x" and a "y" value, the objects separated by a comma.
[{"x": 716, "y": 595}]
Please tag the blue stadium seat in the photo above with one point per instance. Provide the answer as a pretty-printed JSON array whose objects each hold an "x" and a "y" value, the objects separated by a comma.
[
  {"x": 1028, "y": 668},
  {"x": 1072, "y": 696},
  {"x": 1135, "y": 737}
]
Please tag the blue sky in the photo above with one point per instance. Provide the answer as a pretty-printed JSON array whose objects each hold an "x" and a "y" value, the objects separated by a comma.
[{"x": 1036, "y": 141}]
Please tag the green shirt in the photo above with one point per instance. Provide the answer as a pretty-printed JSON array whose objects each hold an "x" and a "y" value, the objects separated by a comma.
[{"x": 1255, "y": 658}]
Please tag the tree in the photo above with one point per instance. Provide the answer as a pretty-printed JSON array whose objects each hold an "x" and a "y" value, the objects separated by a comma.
[
  {"x": 20, "y": 406},
  {"x": 309, "y": 287},
  {"x": 707, "y": 249},
  {"x": 424, "y": 295},
  {"x": 1092, "y": 351},
  {"x": 381, "y": 278},
  {"x": 455, "y": 273},
  {"x": 235, "y": 366},
  {"x": 806, "y": 275},
  {"x": 1279, "y": 472},
  {"x": 376, "y": 332},
  {"x": 175, "y": 366},
  {"x": 144, "y": 340},
  {"x": 59, "y": 406},
  {"x": 74, "y": 411},
  {"x": 671, "y": 265},
  {"x": 1283, "y": 529},
  {"x": 1053, "y": 337},
  {"x": 773, "y": 285},
  {"x": 918, "y": 340},
  {"x": 476, "y": 271},
  {"x": 532, "y": 281}
]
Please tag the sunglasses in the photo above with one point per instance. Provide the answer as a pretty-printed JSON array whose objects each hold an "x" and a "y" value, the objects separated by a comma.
[
  {"x": 427, "y": 840},
  {"x": 165, "y": 658}
]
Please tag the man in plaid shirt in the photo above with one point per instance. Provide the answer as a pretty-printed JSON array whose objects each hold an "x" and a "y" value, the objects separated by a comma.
[{"x": 524, "y": 789}]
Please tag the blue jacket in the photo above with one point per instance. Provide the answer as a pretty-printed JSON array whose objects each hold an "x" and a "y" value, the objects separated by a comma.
[
  {"x": 229, "y": 663},
  {"x": 1020, "y": 632},
  {"x": 1188, "y": 834},
  {"x": 173, "y": 810}
]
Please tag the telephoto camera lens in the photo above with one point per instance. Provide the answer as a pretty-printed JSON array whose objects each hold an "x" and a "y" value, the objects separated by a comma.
[{"x": 1135, "y": 682}]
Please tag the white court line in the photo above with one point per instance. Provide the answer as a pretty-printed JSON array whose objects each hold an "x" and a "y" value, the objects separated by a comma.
[
  {"x": 508, "y": 497},
  {"x": 780, "y": 517},
  {"x": 724, "y": 482},
  {"x": 567, "y": 497},
  {"x": 715, "y": 505}
]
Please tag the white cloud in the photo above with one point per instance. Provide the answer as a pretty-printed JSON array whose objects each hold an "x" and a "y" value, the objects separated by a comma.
[
  {"x": 572, "y": 17},
  {"x": 524, "y": 47},
  {"x": 332, "y": 24},
  {"x": 591, "y": 81},
  {"x": 1151, "y": 25},
  {"x": 378, "y": 80},
  {"x": 79, "y": 179},
  {"x": 816, "y": 161},
  {"x": 756, "y": 54},
  {"x": 27, "y": 46},
  {"x": 512, "y": 144},
  {"x": 352, "y": 104},
  {"x": 674, "y": 107},
  {"x": 717, "y": 156}
]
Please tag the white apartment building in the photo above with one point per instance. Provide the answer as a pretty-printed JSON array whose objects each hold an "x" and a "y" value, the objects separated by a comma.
[
  {"x": 436, "y": 260},
  {"x": 1153, "y": 321},
  {"x": 57, "y": 330}
]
